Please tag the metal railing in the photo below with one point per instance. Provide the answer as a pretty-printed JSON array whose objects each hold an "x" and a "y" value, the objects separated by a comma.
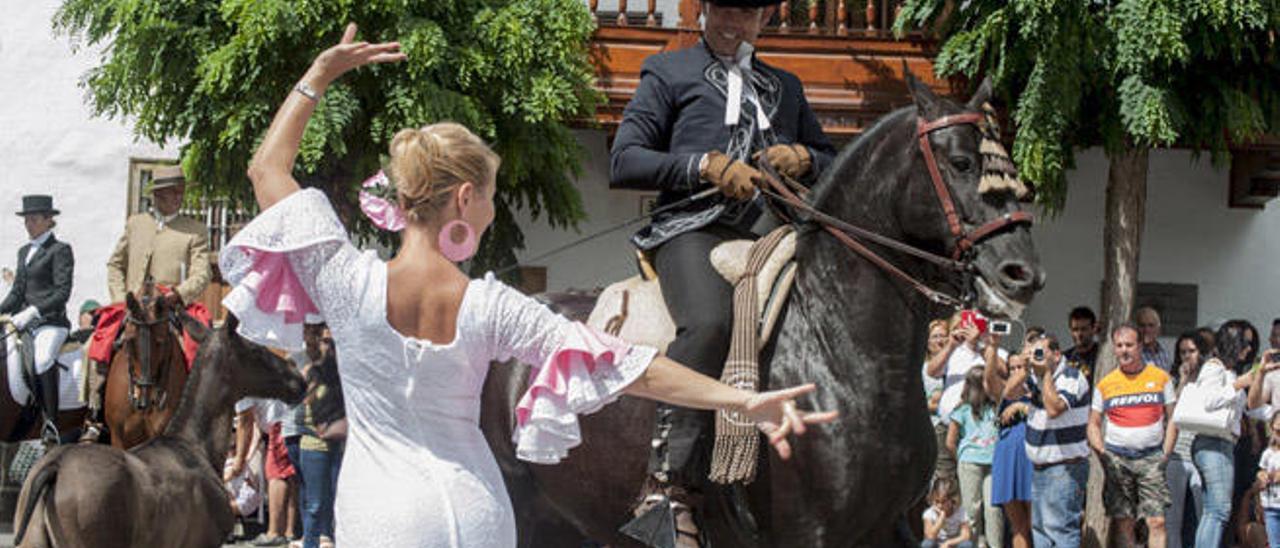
[{"x": 817, "y": 17}]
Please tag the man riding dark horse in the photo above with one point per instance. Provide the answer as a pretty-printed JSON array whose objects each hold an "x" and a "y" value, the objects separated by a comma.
[
  {"x": 703, "y": 116},
  {"x": 37, "y": 306},
  {"x": 161, "y": 247}
]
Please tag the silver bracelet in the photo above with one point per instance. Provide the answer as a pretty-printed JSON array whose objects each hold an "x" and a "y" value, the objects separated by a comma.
[{"x": 307, "y": 91}]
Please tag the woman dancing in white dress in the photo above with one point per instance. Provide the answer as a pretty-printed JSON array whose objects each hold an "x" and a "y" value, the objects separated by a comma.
[{"x": 416, "y": 336}]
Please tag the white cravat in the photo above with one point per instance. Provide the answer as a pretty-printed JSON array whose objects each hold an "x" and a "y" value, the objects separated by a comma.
[
  {"x": 35, "y": 246},
  {"x": 736, "y": 67},
  {"x": 162, "y": 220}
]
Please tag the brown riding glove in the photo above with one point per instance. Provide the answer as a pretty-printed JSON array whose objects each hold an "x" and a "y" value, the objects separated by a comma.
[
  {"x": 734, "y": 178},
  {"x": 792, "y": 160}
]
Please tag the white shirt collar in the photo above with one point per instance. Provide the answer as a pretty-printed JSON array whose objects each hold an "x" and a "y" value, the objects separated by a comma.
[
  {"x": 163, "y": 219},
  {"x": 41, "y": 239},
  {"x": 742, "y": 57}
]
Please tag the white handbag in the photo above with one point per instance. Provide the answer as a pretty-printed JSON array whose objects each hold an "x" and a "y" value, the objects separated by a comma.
[{"x": 1191, "y": 414}]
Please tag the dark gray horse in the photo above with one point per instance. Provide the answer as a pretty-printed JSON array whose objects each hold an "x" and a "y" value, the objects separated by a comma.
[
  {"x": 856, "y": 331},
  {"x": 167, "y": 491}
]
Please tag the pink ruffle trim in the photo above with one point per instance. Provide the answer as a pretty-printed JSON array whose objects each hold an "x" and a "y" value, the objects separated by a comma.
[
  {"x": 583, "y": 351},
  {"x": 276, "y": 287},
  {"x": 589, "y": 370},
  {"x": 381, "y": 212}
]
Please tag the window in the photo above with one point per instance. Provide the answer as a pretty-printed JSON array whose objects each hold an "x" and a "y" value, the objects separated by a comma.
[
  {"x": 1178, "y": 305},
  {"x": 220, "y": 216}
]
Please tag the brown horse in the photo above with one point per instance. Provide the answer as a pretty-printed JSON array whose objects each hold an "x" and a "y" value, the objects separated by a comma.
[
  {"x": 18, "y": 424},
  {"x": 147, "y": 372},
  {"x": 168, "y": 491}
]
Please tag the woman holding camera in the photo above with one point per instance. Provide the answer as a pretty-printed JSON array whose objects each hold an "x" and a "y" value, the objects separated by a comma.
[{"x": 1010, "y": 468}]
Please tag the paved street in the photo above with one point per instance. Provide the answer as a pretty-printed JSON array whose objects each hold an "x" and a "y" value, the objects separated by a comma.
[{"x": 6, "y": 539}]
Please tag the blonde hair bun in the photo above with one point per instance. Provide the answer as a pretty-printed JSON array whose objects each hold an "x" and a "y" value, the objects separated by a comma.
[{"x": 427, "y": 164}]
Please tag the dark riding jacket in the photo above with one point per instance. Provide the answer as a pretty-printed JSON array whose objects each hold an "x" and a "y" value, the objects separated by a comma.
[
  {"x": 677, "y": 115},
  {"x": 44, "y": 282}
]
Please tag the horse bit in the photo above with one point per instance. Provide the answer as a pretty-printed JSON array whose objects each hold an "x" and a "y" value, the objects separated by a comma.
[{"x": 961, "y": 259}]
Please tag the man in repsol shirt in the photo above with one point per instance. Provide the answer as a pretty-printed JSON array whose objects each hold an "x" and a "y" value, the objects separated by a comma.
[{"x": 1136, "y": 399}]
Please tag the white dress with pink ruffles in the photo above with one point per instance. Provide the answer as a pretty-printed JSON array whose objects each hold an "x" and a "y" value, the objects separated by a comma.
[{"x": 417, "y": 470}]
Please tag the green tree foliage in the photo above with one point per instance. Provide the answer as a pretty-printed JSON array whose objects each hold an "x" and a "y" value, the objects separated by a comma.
[
  {"x": 210, "y": 74},
  {"x": 1115, "y": 73}
]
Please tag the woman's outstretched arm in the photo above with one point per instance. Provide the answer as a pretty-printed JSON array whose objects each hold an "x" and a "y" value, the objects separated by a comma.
[
  {"x": 271, "y": 168},
  {"x": 774, "y": 412}
]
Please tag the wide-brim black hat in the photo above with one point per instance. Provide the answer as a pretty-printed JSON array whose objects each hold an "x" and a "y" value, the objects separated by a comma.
[
  {"x": 36, "y": 204},
  {"x": 745, "y": 3}
]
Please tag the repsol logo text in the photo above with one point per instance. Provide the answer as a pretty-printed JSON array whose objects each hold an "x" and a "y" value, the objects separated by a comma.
[{"x": 1135, "y": 399}]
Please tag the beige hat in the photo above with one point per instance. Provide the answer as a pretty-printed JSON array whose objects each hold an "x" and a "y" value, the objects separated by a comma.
[{"x": 165, "y": 177}]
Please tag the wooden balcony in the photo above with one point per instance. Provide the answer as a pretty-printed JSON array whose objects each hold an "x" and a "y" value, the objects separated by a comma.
[
  {"x": 851, "y": 66},
  {"x": 844, "y": 52}
]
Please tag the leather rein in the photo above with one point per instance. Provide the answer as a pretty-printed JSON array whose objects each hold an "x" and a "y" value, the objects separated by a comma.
[
  {"x": 147, "y": 379},
  {"x": 961, "y": 259}
]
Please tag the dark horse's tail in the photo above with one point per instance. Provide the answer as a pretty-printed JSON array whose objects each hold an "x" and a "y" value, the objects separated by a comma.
[{"x": 45, "y": 479}]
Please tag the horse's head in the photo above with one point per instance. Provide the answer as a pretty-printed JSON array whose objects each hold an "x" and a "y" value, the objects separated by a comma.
[
  {"x": 152, "y": 344},
  {"x": 962, "y": 197},
  {"x": 248, "y": 369}
]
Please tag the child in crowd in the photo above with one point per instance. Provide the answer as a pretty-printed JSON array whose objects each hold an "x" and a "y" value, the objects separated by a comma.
[
  {"x": 945, "y": 523},
  {"x": 972, "y": 436},
  {"x": 1269, "y": 483}
]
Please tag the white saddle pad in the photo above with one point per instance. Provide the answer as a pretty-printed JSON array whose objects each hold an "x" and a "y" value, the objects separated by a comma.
[
  {"x": 646, "y": 320},
  {"x": 69, "y": 379}
]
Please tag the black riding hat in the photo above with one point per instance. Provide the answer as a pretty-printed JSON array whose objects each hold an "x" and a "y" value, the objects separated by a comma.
[{"x": 36, "y": 204}]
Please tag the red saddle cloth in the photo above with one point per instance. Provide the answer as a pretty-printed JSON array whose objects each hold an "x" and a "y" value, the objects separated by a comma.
[{"x": 111, "y": 319}]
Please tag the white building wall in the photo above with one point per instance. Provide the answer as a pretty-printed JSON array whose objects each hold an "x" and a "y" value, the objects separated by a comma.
[
  {"x": 50, "y": 144},
  {"x": 1191, "y": 237}
]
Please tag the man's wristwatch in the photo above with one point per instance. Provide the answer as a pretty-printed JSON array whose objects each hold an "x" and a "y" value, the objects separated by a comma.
[{"x": 307, "y": 91}]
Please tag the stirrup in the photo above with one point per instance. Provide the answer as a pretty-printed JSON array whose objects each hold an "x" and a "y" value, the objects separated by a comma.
[
  {"x": 658, "y": 523},
  {"x": 49, "y": 434},
  {"x": 656, "y": 526},
  {"x": 92, "y": 433}
]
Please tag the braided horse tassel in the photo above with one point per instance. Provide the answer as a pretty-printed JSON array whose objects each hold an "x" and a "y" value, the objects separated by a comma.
[
  {"x": 737, "y": 442},
  {"x": 998, "y": 171}
]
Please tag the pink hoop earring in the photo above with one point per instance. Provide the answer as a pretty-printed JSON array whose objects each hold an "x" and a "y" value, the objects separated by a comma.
[{"x": 458, "y": 241}]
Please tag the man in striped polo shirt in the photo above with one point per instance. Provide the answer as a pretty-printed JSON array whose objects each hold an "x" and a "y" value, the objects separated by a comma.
[
  {"x": 1056, "y": 445},
  {"x": 1136, "y": 399}
]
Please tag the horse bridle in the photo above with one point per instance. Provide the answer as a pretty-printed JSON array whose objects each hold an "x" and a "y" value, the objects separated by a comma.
[
  {"x": 964, "y": 241},
  {"x": 961, "y": 259},
  {"x": 140, "y": 385}
]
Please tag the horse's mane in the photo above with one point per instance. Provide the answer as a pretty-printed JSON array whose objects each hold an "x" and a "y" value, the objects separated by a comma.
[
  {"x": 856, "y": 152},
  {"x": 186, "y": 402}
]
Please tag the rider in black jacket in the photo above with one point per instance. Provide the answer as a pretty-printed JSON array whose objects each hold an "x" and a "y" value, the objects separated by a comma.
[
  {"x": 37, "y": 306},
  {"x": 703, "y": 116}
]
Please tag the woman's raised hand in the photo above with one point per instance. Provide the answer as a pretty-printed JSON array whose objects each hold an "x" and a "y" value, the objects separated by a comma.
[
  {"x": 776, "y": 415},
  {"x": 349, "y": 54}
]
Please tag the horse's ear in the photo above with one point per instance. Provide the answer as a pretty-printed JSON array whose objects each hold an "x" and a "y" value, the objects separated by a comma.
[
  {"x": 193, "y": 327},
  {"x": 134, "y": 306},
  {"x": 923, "y": 97},
  {"x": 983, "y": 95},
  {"x": 231, "y": 323}
]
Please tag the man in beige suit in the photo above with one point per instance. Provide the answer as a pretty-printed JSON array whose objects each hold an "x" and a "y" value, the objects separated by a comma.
[{"x": 170, "y": 248}]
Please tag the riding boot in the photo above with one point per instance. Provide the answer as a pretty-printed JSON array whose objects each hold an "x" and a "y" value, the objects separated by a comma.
[
  {"x": 93, "y": 421},
  {"x": 49, "y": 405}
]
